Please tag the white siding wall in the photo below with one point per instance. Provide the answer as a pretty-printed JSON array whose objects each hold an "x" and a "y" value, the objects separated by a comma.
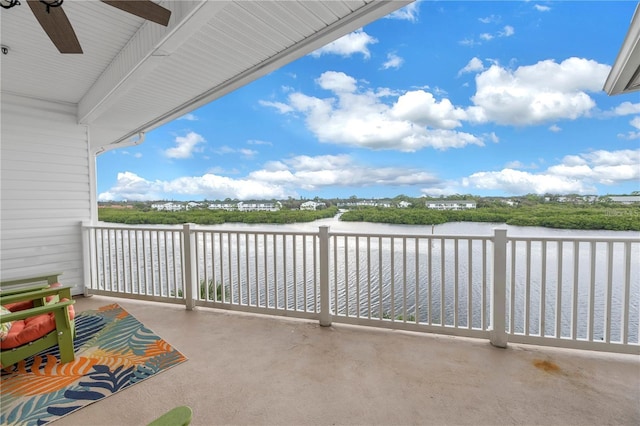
[{"x": 45, "y": 189}]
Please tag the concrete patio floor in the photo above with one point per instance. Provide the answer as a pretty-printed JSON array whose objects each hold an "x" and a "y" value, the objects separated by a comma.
[{"x": 248, "y": 369}]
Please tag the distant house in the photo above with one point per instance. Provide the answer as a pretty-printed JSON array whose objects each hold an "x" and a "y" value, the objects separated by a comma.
[
  {"x": 404, "y": 204},
  {"x": 364, "y": 203},
  {"x": 223, "y": 206},
  {"x": 259, "y": 206},
  {"x": 451, "y": 204},
  {"x": 168, "y": 207},
  {"x": 625, "y": 199},
  {"x": 311, "y": 205}
]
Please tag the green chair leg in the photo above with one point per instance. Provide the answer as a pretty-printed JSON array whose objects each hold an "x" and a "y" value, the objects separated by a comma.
[{"x": 179, "y": 416}]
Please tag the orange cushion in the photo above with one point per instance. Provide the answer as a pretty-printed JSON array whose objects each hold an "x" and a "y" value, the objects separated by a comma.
[{"x": 30, "y": 329}]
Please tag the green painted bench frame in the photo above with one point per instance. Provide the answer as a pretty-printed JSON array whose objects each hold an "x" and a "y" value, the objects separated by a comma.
[
  {"x": 65, "y": 328},
  {"x": 20, "y": 285}
]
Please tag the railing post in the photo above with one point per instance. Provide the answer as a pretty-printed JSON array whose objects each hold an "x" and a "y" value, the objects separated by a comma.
[
  {"x": 497, "y": 329},
  {"x": 189, "y": 264},
  {"x": 87, "y": 255},
  {"x": 325, "y": 313}
]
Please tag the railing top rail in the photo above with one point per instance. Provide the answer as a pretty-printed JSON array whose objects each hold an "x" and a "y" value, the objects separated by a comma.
[
  {"x": 165, "y": 228},
  {"x": 421, "y": 236},
  {"x": 579, "y": 239},
  {"x": 194, "y": 228},
  {"x": 257, "y": 231}
]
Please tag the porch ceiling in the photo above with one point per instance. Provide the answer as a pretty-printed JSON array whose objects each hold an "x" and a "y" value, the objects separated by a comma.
[
  {"x": 625, "y": 73},
  {"x": 135, "y": 75}
]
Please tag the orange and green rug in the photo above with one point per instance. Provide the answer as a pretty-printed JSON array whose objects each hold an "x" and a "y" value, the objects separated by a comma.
[{"x": 113, "y": 351}]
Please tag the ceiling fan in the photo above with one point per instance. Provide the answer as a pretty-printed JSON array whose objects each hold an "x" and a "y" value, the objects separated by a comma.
[{"x": 55, "y": 23}]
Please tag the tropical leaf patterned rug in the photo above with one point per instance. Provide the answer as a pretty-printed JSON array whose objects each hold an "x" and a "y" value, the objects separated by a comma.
[{"x": 113, "y": 351}]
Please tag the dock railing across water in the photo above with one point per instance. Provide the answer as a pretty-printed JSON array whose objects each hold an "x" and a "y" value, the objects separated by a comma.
[{"x": 581, "y": 292}]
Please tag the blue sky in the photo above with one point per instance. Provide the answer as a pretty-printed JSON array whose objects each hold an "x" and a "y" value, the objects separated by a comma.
[{"x": 486, "y": 98}]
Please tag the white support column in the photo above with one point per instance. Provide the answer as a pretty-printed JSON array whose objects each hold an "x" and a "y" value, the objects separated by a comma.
[
  {"x": 87, "y": 256},
  {"x": 189, "y": 262},
  {"x": 497, "y": 329},
  {"x": 325, "y": 313}
]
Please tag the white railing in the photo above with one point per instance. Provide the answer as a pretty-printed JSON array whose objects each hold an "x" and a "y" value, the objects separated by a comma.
[{"x": 567, "y": 292}]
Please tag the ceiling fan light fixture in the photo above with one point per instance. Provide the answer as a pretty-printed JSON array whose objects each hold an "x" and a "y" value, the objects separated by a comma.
[{"x": 8, "y": 4}]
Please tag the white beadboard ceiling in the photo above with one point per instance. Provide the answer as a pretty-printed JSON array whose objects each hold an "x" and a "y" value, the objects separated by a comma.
[
  {"x": 625, "y": 73},
  {"x": 136, "y": 75}
]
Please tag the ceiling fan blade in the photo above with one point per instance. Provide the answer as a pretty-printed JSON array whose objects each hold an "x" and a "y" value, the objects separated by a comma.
[
  {"x": 55, "y": 23},
  {"x": 143, "y": 8}
]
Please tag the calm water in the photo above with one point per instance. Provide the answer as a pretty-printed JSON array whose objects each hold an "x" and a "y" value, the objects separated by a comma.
[{"x": 424, "y": 288}]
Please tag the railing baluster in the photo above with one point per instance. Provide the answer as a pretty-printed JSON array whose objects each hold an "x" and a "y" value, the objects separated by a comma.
[
  {"x": 266, "y": 268},
  {"x": 607, "y": 317},
  {"x": 404, "y": 279},
  {"x": 346, "y": 276},
  {"x": 625, "y": 326},
  {"x": 558, "y": 330},
  {"x": 469, "y": 283},
  {"x": 527, "y": 288},
  {"x": 429, "y": 280},
  {"x": 484, "y": 297},
  {"x": 295, "y": 273},
  {"x": 380, "y": 295},
  {"x": 592, "y": 291},
  {"x": 417, "y": 281},
  {"x": 357, "y": 277},
  {"x": 543, "y": 288},
  {"x": 257, "y": 268},
  {"x": 393, "y": 279},
  {"x": 442, "y": 285},
  {"x": 369, "y": 277},
  {"x": 247, "y": 270},
  {"x": 456, "y": 274},
  {"x": 512, "y": 288},
  {"x": 239, "y": 278},
  {"x": 574, "y": 304}
]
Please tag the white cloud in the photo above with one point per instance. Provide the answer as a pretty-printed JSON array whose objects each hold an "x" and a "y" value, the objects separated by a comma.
[
  {"x": 626, "y": 108},
  {"x": 223, "y": 150},
  {"x": 185, "y": 146},
  {"x": 277, "y": 179},
  {"x": 338, "y": 82},
  {"x": 189, "y": 117},
  {"x": 474, "y": 65},
  {"x": 130, "y": 186},
  {"x": 348, "y": 45},
  {"x": 485, "y": 36},
  {"x": 283, "y": 108},
  {"x": 408, "y": 13},
  {"x": 555, "y": 128},
  {"x": 541, "y": 8},
  {"x": 422, "y": 108},
  {"x": 259, "y": 142},
  {"x": 574, "y": 174},
  {"x": 247, "y": 152},
  {"x": 312, "y": 173},
  {"x": 360, "y": 118},
  {"x": 537, "y": 93},
  {"x": 518, "y": 182},
  {"x": 507, "y": 31},
  {"x": 393, "y": 61},
  {"x": 490, "y": 19},
  {"x": 412, "y": 120}
]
